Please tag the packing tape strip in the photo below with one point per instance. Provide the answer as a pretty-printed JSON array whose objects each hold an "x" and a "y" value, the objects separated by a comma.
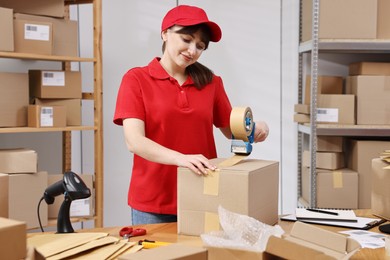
[
  {"x": 211, "y": 222},
  {"x": 238, "y": 124},
  {"x": 337, "y": 179}
]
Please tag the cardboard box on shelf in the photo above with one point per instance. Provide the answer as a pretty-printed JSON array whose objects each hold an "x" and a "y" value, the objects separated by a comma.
[
  {"x": 13, "y": 99},
  {"x": 18, "y": 160},
  {"x": 13, "y": 239},
  {"x": 336, "y": 109},
  {"x": 255, "y": 184},
  {"x": 301, "y": 118},
  {"x": 78, "y": 208},
  {"x": 341, "y": 19},
  {"x": 380, "y": 194},
  {"x": 65, "y": 37},
  {"x": 6, "y": 29},
  {"x": 55, "y": 8},
  {"x": 359, "y": 159},
  {"x": 302, "y": 109},
  {"x": 73, "y": 108},
  {"x": 33, "y": 37},
  {"x": 325, "y": 85},
  {"x": 383, "y": 29},
  {"x": 4, "y": 180},
  {"x": 55, "y": 84},
  {"x": 372, "y": 99},
  {"x": 369, "y": 68},
  {"x": 325, "y": 160},
  {"x": 46, "y": 116},
  {"x": 25, "y": 191},
  {"x": 330, "y": 144}
]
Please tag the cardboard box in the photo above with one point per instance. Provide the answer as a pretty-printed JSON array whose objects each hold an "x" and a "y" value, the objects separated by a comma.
[
  {"x": 13, "y": 99},
  {"x": 46, "y": 116},
  {"x": 78, "y": 208},
  {"x": 341, "y": 19},
  {"x": 4, "y": 180},
  {"x": 33, "y": 37},
  {"x": 383, "y": 29},
  {"x": 302, "y": 109},
  {"x": 6, "y": 29},
  {"x": 55, "y": 8},
  {"x": 55, "y": 84},
  {"x": 255, "y": 184},
  {"x": 18, "y": 160},
  {"x": 336, "y": 109},
  {"x": 65, "y": 37},
  {"x": 173, "y": 251},
  {"x": 380, "y": 194},
  {"x": 325, "y": 85},
  {"x": 13, "y": 239},
  {"x": 301, "y": 118},
  {"x": 369, "y": 68},
  {"x": 25, "y": 191},
  {"x": 305, "y": 241},
  {"x": 73, "y": 108},
  {"x": 330, "y": 144},
  {"x": 372, "y": 99},
  {"x": 359, "y": 159},
  {"x": 325, "y": 160}
]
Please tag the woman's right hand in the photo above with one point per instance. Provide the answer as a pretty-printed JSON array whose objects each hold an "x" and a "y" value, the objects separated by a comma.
[{"x": 196, "y": 163}]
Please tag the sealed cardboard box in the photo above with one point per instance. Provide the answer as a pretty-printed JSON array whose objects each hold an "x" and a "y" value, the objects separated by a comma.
[
  {"x": 55, "y": 84},
  {"x": 4, "y": 195},
  {"x": 18, "y": 160},
  {"x": 65, "y": 38},
  {"x": 25, "y": 191},
  {"x": 13, "y": 240},
  {"x": 78, "y": 208},
  {"x": 325, "y": 85},
  {"x": 46, "y": 116},
  {"x": 369, "y": 68},
  {"x": 33, "y": 37},
  {"x": 330, "y": 144},
  {"x": 372, "y": 99},
  {"x": 341, "y": 19},
  {"x": 359, "y": 159},
  {"x": 302, "y": 109},
  {"x": 336, "y": 109},
  {"x": 383, "y": 29},
  {"x": 380, "y": 194},
  {"x": 325, "y": 160},
  {"x": 73, "y": 108},
  {"x": 255, "y": 184},
  {"x": 6, "y": 29},
  {"x": 13, "y": 99},
  {"x": 301, "y": 118},
  {"x": 55, "y": 8}
]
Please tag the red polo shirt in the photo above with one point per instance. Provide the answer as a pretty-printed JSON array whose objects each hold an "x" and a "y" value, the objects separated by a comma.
[{"x": 178, "y": 117}]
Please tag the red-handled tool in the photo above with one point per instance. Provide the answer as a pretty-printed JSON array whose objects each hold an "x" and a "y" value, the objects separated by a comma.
[{"x": 128, "y": 232}]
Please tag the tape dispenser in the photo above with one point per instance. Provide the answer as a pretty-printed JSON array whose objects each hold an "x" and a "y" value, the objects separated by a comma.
[{"x": 243, "y": 130}]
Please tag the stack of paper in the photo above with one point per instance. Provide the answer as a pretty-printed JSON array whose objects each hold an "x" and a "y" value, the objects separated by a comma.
[{"x": 325, "y": 214}]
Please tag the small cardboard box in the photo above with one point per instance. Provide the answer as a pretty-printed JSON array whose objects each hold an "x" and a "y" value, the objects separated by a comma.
[
  {"x": 4, "y": 183},
  {"x": 173, "y": 251},
  {"x": 325, "y": 160},
  {"x": 359, "y": 159},
  {"x": 372, "y": 99},
  {"x": 46, "y": 116},
  {"x": 33, "y": 37},
  {"x": 13, "y": 239},
  {"x": 6, "y": 29},
  {"x": 78, "y": 208},
  {"x": 330, "y": 144},
  {"x": 25, "y": 191},
  {"x": 380, "y": 194},
  {"x": 55, "y": 84},
  {"x": 325, "y": 85},
  {"x": 341, "y": 19},
  {"x": 13, "y": 99},
  {"x": 65, "y": 37},
  {"x": 304, "y": 242},
  {"x": 301, "y": 118},
  {"x": 250, "y": 187},
  {"x": 369, "y": 68},
  {"x": 18, "y": 160},
  {"x": 336, "y": 109},
  {"x": 55, "y": 8},
  {"x": 302, "y": 109},
  {"x": 73, "y": 108}
]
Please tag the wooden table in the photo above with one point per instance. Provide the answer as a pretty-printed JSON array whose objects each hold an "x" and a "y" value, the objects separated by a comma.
[{"x": 167, "y": 232}]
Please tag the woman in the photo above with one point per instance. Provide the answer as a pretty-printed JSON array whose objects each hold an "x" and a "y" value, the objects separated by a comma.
[{"x": 168, "y": 109}]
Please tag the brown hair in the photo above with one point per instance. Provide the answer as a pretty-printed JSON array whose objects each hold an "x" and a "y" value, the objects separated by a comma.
[{"x": 200, "y": 74}]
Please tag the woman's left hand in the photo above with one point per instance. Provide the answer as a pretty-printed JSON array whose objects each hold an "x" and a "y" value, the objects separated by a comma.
[{"x": 261, "y": 131}]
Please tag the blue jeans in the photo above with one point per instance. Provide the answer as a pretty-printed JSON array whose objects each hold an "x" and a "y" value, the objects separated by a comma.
[{"x": 140, "y": 217}]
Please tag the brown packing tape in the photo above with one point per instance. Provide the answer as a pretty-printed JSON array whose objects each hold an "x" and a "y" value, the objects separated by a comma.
[
  {"x": 238, "y": 123},
  {"x": 337, "y": 179},
  {"x": 231, "y": 161},
  {"x": 211, "y": 222},
  {"x": 211, "y": 183}
]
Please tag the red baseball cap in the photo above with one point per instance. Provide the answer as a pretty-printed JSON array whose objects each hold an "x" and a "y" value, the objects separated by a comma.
[{"x": 186, "y": 15}]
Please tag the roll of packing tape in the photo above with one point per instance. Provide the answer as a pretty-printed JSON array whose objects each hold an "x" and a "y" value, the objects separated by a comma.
[{"x": 241, "y": 122}]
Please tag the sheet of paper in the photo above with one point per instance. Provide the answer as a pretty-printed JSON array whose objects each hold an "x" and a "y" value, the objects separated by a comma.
[{"x": 366, "y": 239}]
